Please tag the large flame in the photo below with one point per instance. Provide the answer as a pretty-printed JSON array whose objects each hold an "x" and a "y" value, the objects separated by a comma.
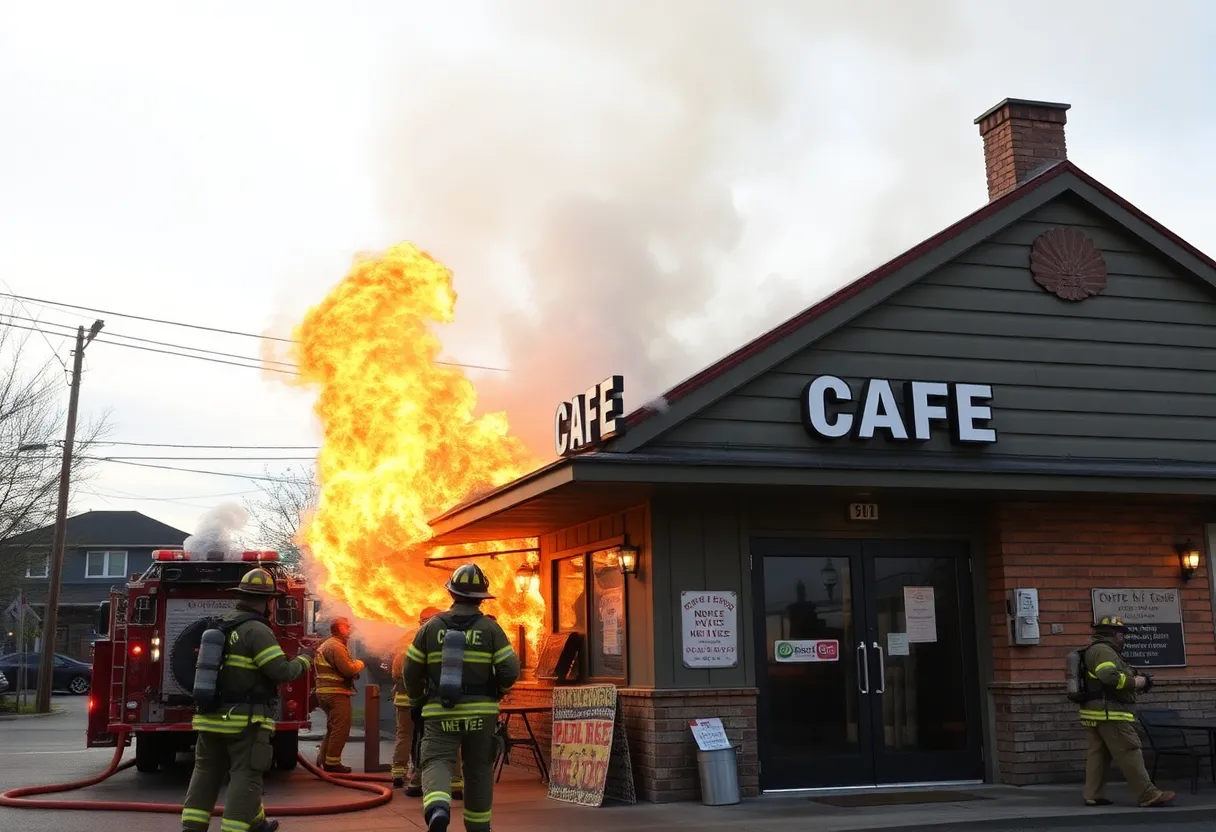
[{"x": 401, "y": 444}]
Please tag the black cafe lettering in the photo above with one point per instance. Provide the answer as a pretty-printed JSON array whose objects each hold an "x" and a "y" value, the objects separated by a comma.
[
  {"x": 965, "y": 408},
  {"x": 590, "y": 418},
  {"x": 1154, "y": 624}
]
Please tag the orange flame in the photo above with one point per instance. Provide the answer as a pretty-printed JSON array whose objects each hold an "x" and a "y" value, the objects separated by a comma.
[{"x": 401, "y": 445}]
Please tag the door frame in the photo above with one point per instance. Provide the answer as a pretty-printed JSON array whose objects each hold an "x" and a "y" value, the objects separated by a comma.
[{"x": 976, "y": 669}]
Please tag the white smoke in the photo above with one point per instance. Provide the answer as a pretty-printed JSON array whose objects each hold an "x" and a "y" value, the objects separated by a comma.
[
  {"x": 218, "y": 534},
  {"x": 581, "y": 173}
]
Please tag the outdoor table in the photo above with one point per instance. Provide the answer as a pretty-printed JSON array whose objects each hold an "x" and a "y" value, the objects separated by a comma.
[
  {"x": 1207, "y": 725},
  {"x": 505, "y": 713}
]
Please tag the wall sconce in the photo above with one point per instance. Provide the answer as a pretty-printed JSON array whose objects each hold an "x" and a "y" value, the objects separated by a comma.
[
  {"x": 527, "y": 576},
  {"x": 627, "y": 558},
  {"x": 1188, "y": 559}
]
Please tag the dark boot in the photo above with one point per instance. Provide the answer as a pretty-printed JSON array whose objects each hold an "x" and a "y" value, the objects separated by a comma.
[
  {"x": 337, "y": 769},
  {"x": 398, "y": 782},
  {"x": 266, "y": 825},
  {"x": 438, "y": 819}
]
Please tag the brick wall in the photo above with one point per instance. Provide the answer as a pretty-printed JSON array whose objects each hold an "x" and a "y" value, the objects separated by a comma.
[
  {"x": 662, "y": 751},
  {"x": 1064, "y": 550},
  {"x": 1020, "y": 137}
]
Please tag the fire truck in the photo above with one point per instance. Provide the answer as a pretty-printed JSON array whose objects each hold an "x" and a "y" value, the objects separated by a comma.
[{"x": 143, "y": 669}]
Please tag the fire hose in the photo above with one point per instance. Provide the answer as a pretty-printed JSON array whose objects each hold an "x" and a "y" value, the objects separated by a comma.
[{"x": 19, "y": 798}]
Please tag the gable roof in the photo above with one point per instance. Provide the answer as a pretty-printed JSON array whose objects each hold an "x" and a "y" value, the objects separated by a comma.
[
  {"x": 765, "y": 351},
  {"x": 833, "y": 312},
  {"x": 106, "y": 528}
]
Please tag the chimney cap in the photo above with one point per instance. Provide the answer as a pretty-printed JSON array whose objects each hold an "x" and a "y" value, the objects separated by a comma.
[{"x": 1023, "y": 102}]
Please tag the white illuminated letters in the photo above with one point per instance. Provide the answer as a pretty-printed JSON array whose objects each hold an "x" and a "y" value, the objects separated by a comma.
[
  {"x": 815, "y": 407},
  {"x": 826, "y": 411},
  {"x": 971, "y": 414},
  {"x": 590, "y": 418}
]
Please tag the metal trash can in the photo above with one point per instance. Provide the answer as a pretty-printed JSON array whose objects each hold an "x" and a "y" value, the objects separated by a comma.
[{"x": 719, "y": 772}]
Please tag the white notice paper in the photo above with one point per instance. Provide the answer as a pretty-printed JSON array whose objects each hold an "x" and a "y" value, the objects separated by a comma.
[
  {"x": 897, "y": 644},
  {"x": 709, "y": 734},
  {"x": 921, "y": 614}
]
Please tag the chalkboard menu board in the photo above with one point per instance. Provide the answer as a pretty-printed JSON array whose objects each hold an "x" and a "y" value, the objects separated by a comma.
[{"x": 1154, "y": 624}]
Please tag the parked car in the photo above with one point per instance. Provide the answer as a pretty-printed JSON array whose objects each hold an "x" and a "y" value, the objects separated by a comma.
[
  {"x": 3, "y": 682},
  {"x": 67, "y": 673}
]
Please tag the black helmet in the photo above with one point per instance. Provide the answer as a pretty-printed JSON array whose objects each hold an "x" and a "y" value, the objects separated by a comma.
[
  {"x": 1111, "y": 623},
  {"x": 468, "y": 581},
  {"x": 257, "y": 582}
]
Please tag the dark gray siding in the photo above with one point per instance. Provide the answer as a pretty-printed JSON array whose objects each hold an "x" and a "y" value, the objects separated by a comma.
[
  {"x": 1129, "y": 374},
  {"x": 79, "y": 589},
  {"x": 699, "y": 544}
]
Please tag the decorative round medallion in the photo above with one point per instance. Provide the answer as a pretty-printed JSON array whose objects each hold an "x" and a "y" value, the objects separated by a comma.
[{"x": 1067, "y": 263}]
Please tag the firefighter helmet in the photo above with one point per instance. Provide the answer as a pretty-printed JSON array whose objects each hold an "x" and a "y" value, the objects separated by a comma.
[
  {"x": 468, "y": 581},
  {"x": 1111, "y": 622},
  {"x": 257, "y": 582}
]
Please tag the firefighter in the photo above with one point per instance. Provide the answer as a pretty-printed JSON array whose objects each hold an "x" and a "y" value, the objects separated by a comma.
[
  {"x": 235, "y": 740},
  {"x": 406, "y": 770},
  {"x": 1110, "y": 720},
  {"x": 336, "y": 675},
  {"x": 460, "y": 664}
]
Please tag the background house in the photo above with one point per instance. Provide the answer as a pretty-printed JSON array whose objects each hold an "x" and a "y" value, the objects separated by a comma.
[{"x": 103, "y": 549}]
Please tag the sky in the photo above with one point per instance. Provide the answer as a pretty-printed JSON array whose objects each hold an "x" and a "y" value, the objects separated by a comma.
[{"x": 619, "y": 187}]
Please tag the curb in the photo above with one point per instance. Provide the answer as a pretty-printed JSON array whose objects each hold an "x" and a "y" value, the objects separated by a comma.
[
  {"x": 1094, "y": 818},
  {"x": 15, "y": 717}
]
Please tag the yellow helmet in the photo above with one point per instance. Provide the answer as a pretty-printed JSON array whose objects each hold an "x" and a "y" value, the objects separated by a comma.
[
  {"x": 257, "y": 582},
  {"x": 1111, "y": 622},
  {"x": 468, "y": 581}
]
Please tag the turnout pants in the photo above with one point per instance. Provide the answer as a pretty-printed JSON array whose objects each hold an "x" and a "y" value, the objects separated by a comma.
[
  {"x": 244, "y": 758},
  {"x": 337, "y": 727},
  {"x": 1116, "y": 741},
  {"x": 403, "y": 743},
  {"x": 474, "y": 739}
]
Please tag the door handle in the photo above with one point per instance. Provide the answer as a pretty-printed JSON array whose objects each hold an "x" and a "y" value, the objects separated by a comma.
[
  {"x": 882, "y": 670},
  {"x": 863, "y": 667}
]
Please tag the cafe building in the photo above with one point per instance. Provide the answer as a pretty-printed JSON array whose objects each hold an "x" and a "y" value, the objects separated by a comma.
[{"x": 867, "y": 539}]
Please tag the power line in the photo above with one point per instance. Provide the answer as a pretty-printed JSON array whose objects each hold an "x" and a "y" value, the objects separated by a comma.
[
  {"x": 219, "y": 330},
  {"x": 54, "y": 350},
  {"x": 53, "y": 303},
  {"x": 220, "y": 458},
  {"x": 197, "y": 471},
  {"x": 116, "y": 493},
  {"x": 214, "y": 447}
]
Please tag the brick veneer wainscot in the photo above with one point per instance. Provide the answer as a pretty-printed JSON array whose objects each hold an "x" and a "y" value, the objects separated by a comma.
[
  {"x": 661, "y": 747},
  {"x": 1064, "y": 549}
]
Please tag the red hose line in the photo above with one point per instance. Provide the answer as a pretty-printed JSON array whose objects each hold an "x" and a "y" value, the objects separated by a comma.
[{"x": 19, "y": 798}]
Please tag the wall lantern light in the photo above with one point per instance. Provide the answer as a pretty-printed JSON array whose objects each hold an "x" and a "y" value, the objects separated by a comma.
[
  {"x": 1188, "y": 559},
  {"x": 527, "y": 577},
  {"x": 627, "y": 558}
]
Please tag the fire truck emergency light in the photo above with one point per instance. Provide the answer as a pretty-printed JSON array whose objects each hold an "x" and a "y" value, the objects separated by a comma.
[
  {"x": 264, "y": 554},
  {"x": 170, "y": 554}
]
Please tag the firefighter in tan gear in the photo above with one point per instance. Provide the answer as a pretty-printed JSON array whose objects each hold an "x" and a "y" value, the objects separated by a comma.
[
  {"x": 406, "y": 769},
  {"x": 336, "y": 675},
  {"x": 234, "y": 741},
  {"x": 1109, "y": 717},
  {"x": 460, "y": 664}
]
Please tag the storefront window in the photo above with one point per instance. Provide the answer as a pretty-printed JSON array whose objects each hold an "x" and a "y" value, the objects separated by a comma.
[{"x": 592, "y": 602}]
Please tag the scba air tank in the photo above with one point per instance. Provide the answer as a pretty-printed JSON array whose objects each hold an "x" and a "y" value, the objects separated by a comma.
[
  {"x": 207, "y": 668},
  {"x": 1073, "y": 675}
]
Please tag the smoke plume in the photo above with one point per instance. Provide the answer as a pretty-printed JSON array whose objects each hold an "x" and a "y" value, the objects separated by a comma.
[
  {"x": 583, "y": 174},
  {"x": 218, "y": 535}
]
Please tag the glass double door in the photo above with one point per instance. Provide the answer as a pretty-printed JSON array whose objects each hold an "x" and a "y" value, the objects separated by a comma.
[{"x": 869, "y": 669}]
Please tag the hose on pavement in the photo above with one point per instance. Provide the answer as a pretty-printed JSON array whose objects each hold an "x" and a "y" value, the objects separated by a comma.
[{"x": 19, "y": 798}]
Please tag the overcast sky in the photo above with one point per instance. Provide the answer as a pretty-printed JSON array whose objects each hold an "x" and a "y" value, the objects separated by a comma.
[{"x": 631, "y": 187}]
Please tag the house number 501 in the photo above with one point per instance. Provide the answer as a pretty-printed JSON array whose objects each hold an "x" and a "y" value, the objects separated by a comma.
[{"x": 863, "y": 511}]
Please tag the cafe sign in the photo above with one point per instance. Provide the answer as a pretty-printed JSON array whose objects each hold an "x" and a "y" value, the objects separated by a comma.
[
  {"x": 590, "y": 418},
  {"x": 1154, "y": 624},
  {"x": 831, "y": 411}
]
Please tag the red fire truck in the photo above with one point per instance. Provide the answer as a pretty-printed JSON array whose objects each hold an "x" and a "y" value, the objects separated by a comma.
[{"x": 143, "y": 670}]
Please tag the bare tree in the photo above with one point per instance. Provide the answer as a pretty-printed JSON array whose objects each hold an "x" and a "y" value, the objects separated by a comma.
[
  {"x": 285, "y": 497},
  {"x": 33, "y": 410}
]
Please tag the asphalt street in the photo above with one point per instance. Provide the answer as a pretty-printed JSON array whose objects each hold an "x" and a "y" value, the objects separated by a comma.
[{"x": 51, "y": 750}]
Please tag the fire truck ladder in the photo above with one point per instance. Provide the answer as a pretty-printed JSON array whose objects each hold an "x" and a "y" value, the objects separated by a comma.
[{"x": 118, "y": 657}]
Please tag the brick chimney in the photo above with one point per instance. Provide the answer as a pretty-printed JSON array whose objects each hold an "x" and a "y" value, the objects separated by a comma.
[{"x": 1020, "y": 137}]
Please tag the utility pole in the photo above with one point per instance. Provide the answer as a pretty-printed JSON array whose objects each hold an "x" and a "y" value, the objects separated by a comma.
[{"x": 50, "y": 620}]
